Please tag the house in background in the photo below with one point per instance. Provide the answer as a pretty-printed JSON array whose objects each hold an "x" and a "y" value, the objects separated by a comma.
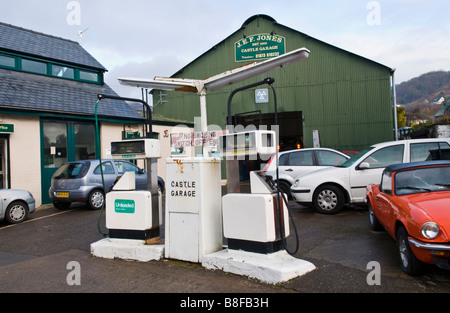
[{"x": 48, "y": 91}]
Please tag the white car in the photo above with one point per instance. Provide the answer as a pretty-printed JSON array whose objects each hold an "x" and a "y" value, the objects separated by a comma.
[
  {"x": 329, "y": 189},
  {"x": 293, "y": 163}
]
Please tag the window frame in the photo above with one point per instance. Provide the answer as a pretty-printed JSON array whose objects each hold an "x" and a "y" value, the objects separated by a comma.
[
  {"x": 18, "y": 66},
  {"x": 11, "y": 57}
]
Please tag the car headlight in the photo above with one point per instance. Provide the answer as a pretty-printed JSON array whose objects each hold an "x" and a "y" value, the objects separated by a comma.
[{"x": 430, "y": 230}]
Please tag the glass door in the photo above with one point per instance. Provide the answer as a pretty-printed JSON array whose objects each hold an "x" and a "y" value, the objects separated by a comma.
[{"x": 54, "y": 141}]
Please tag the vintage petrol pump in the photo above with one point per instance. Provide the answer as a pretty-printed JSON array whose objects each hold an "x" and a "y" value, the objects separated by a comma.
[
  {"x": 130, "y": 213},
  {"x": 133, "y": 217},
  {"x": 255, "y": 224},
  {"x": 256, "y": 221}
]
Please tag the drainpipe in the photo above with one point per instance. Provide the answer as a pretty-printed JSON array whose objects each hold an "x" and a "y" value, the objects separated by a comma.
[{"x": 394, "y": 103}]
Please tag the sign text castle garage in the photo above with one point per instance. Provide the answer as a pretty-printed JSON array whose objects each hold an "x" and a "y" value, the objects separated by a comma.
[{"x": 182, "y": 188}]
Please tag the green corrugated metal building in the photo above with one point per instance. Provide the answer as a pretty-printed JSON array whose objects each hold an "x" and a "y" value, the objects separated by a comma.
[{"x": 344, "y": 96}]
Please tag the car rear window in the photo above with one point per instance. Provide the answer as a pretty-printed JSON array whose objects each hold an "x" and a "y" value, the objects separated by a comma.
[{"x": 71, "y": 170}]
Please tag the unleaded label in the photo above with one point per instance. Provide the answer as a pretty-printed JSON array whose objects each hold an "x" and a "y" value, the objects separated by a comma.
[{"x": 124, "y": 206}]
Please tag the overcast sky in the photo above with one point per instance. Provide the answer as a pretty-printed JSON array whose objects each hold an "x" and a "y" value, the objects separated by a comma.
[{"x": 147, "y": 38}]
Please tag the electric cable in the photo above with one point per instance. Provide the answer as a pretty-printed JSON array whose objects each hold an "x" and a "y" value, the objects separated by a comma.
[
  {"x": 293, "y": 224},
  {"x": 275, "y": 186}
]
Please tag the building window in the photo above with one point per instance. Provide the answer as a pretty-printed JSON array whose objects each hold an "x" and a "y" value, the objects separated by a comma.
[
  {"x": 7, "y": 61},
  {"x": 34, "y": 66},
  {"x": 89, "y": 76},
  {"x": 63, "y": 71},
  {"x": 47, "y": 68}
]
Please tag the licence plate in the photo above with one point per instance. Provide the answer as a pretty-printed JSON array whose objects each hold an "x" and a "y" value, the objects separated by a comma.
[{"x": 62, "y": 195}]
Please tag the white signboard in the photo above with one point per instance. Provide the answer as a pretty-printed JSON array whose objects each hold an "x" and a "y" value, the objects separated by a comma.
[{"x": 196, "y": 139}]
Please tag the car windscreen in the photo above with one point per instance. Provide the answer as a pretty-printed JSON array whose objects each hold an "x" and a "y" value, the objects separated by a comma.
[
  {"x": 419, "y": 180},
  {"x": 71, "y": 170},
  {"x": 354, "y": 158}
]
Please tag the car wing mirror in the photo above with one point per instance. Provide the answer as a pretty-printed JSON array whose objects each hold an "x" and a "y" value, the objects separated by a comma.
[
  {"x": 141, "y": 171},
  {"x": 363, "y": 166}
]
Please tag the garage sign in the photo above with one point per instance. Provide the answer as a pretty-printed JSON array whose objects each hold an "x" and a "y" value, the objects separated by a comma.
[{"x": 259, "y": 47}]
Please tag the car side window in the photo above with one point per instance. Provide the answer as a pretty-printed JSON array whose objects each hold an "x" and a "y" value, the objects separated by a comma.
[
  {"x": 283, "y": 159},
  {"x": 123, "y": 167},
  {"x": 424, "y": 151},
  {"x": 385, "y": 157},
  {"x": 429, "y": 151},
  {"x": 301, "y": 158},
  {"x": 386, "y": 183},
  {"x": 107, "y": 168},
  {"x": 329, "y": 158}
]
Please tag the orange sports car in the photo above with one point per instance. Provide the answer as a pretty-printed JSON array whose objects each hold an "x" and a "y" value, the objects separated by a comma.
[{"x": 412, "y": 203}]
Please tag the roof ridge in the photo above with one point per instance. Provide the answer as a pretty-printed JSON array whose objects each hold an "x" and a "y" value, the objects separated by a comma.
[{"x": 38, "y": 33}]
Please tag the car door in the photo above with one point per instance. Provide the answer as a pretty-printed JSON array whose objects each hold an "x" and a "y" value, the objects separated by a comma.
[
  {"x": 360, "y": 177},
  {"x": 382, "y": 202},
  {"x": 298, "y": 163},
  {"x": 141, "y": 176},
  {"x": 109, "y": 174}
]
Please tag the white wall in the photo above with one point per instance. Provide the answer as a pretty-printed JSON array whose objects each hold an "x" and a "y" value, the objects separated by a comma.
[{"x": 25, "y": 154}]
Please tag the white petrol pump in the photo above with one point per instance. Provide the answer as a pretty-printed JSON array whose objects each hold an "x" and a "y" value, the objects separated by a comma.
[
  {"x": 256, "y": 221},
  {"x": 130, "y": 213},
  {"x": 133, "y": 217},
  {"x": 255, "y": 224}
]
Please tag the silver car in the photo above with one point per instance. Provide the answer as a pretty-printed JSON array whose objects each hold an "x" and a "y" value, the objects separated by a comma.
[
  {"x": 81, "y": 181},
  {"x": 15, "y": 205}
]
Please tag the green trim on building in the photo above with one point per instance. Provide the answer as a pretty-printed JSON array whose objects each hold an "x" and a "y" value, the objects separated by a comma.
[{"x": 78, "y": 73}]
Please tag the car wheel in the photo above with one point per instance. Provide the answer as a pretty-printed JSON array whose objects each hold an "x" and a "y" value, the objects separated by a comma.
[
  {"x": 374, "y": 223},
  {"x": 96, "y": 199},
  {"x": 408, "y": 261},
  {"x": 285, "y": 187},
  {"x": 16, "y": 212},
  {"x": 61, "y": 205},
  {"x": 328, "y": 199}
]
